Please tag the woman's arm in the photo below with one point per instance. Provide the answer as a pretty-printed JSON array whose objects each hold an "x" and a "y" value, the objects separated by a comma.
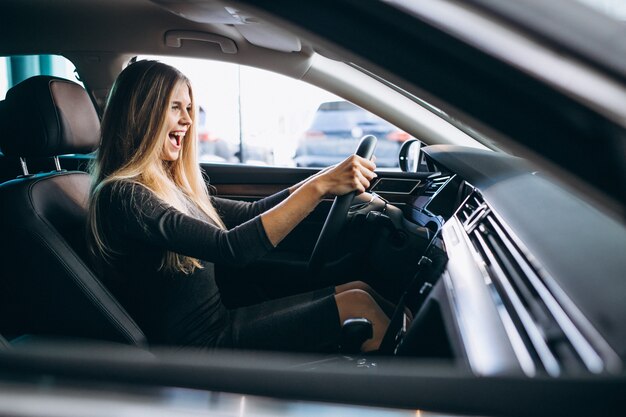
[
  {"x": 294, "y": 187},
  {"x": 353, "y": 174},
  {"x": 136, "y": 213},
  {"x": 234, "y": 212},
  {"x": 141, "y": 215}
]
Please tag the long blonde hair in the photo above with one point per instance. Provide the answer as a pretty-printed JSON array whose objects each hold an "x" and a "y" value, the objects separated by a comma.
[{"x": 132, "y": 132}]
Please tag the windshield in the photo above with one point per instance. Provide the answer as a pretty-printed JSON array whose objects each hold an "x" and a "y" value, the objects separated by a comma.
[
  {"x": 615, "y": 9},
  {"x": 480, "y": 137}
]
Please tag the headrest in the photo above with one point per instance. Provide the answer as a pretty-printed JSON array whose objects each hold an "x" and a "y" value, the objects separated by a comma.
[{"x": 48, "y": 116}]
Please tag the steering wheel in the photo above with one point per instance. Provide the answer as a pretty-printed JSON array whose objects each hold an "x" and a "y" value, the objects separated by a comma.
[{"x": 338, "y": 213}]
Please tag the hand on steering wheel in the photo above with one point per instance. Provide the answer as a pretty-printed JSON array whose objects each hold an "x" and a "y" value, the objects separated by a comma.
[{"x": 338, "y": 212}]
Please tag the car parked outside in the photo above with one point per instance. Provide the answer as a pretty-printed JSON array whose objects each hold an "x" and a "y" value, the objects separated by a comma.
[
  {"x": 213, "y": 148},
  {"x": 336, "y": 130}
]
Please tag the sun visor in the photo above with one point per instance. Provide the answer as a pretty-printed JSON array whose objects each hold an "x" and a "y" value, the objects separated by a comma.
[
  {"x": 255, "y": 31},
  {"x": 201, "y": 12},
  {"x": 267, "y": 36}
]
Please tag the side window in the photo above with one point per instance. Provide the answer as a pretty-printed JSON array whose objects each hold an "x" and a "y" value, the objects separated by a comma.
[
  {"x": 251, "y": 116},
  {"x": 14, "y": 69}
]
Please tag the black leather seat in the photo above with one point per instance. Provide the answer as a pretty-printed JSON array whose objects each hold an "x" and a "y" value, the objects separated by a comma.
[{"x": 46, "y": 287}]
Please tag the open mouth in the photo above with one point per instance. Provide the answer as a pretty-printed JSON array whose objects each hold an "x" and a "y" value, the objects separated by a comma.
[{"x": 176, "y": 138}]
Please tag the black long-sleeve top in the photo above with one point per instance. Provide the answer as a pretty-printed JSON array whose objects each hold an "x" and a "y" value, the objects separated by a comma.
[{"x": 173, "y": 307}]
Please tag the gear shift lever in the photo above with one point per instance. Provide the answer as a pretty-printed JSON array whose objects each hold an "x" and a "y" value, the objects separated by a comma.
[{"x": 354, "y": 333}]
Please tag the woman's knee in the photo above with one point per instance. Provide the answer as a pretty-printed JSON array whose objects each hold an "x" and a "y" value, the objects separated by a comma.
[
  {"x": 354, "y": 285},
  {"x": 359, "y": 296},
  {"x": 360, "y": 285},
  {"x": 355, "y": 303}
]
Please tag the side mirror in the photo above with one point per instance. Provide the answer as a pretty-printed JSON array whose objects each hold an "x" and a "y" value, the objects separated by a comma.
[{"x": 409, "y": 155}]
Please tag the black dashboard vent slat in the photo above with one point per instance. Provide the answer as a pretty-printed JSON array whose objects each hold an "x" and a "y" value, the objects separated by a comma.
[
  {"x": 435, "y": 184},
  {"x": 551, "y": 338},
  {"x": 469, "y": 207}
]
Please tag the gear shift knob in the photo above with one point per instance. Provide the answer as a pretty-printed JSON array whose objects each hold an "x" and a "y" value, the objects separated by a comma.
[{"x": 354, "y": 333}]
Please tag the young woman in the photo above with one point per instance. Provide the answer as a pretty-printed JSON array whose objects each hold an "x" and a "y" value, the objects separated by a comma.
[{"x": 155, "y": 231}]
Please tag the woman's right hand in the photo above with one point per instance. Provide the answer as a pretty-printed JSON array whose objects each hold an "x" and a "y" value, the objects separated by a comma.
[{"x": 352, "y": 174}]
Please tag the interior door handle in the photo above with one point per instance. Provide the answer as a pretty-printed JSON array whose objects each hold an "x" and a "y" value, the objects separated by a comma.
[{"x": 174, "y": 39}]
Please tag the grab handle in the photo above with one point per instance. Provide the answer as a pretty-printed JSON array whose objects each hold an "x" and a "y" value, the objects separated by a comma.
[{"x": 174, "y": 39}]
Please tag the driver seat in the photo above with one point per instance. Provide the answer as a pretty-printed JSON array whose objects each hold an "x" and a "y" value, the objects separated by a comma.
[{"x": 47, "y": 288}]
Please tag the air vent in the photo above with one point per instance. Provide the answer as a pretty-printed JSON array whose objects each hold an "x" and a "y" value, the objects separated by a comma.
[
  {"x": 542, "y": 334},
  {"x": 435, "y": 183},
  {"x": 472, "y": 211}
]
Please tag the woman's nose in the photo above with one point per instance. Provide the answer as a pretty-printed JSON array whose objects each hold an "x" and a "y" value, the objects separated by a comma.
[{"x": 185, "y": 118}]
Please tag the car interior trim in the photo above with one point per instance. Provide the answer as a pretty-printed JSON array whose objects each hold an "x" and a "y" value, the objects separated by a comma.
[
  {"x": 598, "y": 356},
  {"x": 386, "y": 185},
  {"x": 569, "y": 75},
  {"x": 547, "y": 358},
  {"x": 592, "y": 360},
  {"x": 580, "y": 331},
  {"x": 514, "y": 338},
  {"x": 174, "y": 39},
  {"x": 519, "y": 347},
  {"x": 247, "y": 190},
  {"x": 593, "y": 27},
  {"x": 488, "y": 348}
]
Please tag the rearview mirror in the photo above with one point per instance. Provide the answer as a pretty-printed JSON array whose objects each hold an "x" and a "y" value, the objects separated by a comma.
[{"x": 409, "y": 155}]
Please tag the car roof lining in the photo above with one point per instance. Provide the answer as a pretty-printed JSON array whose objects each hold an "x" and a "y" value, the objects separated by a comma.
[
  {"x": 100, "y": 54},
  {"x": 262, "y": 44},
  {"x": 100, "y": 63}
]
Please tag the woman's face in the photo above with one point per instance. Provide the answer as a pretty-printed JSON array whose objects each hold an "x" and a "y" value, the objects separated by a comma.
[{"x": 178, "y": 120}]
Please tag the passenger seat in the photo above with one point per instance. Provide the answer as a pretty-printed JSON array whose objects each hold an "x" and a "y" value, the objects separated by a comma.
[{"x": 46, "y": 288}]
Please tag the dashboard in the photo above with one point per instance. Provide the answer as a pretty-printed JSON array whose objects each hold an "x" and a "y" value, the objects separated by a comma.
[{"x": 533, "y": 276}]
